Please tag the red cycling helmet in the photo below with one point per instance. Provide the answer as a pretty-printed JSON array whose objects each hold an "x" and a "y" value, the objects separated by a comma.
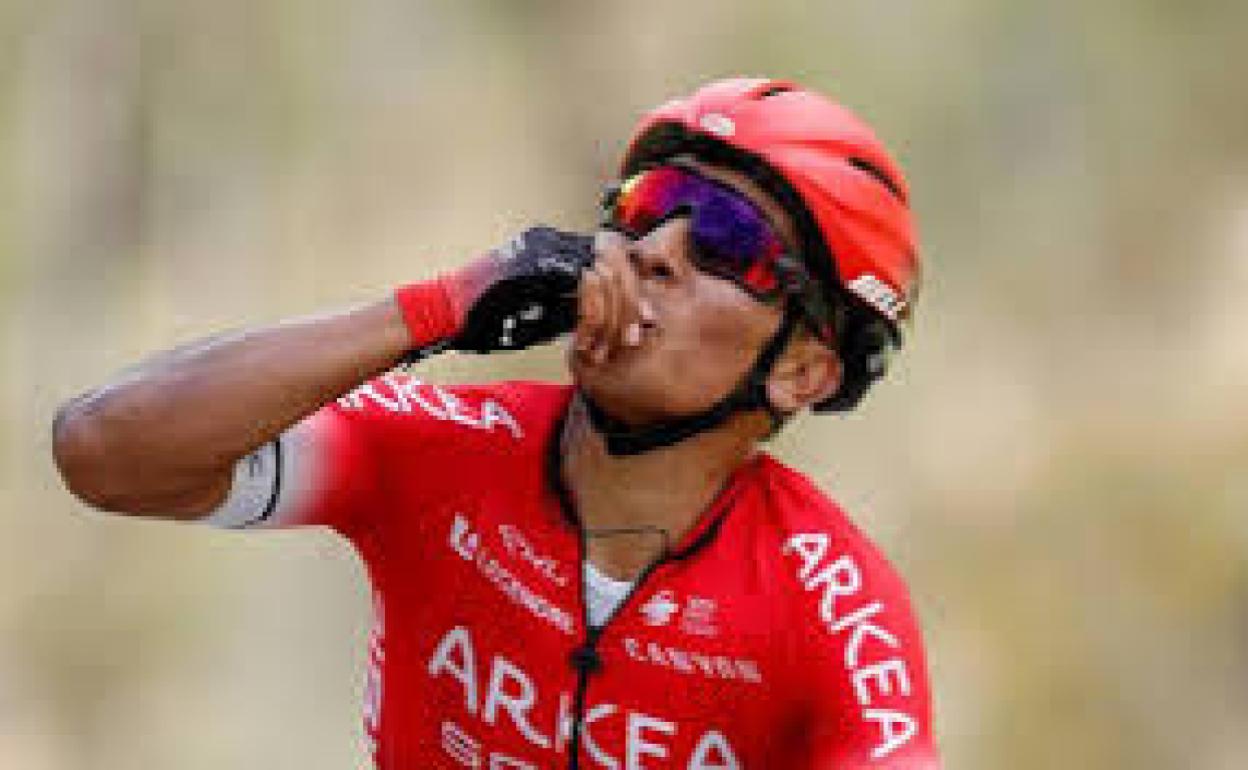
[
  {"x": 840, "y": 171},
  {"x": 829, "y": 170}
]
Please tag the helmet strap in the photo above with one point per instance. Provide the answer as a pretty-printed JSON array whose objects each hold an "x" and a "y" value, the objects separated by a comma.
[{"x": 750, "y": 393}]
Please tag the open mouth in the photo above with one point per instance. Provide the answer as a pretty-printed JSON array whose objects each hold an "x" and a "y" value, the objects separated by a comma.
[
  {"x": 623, "y": 349},
  {"x": 648, "y": 331}
]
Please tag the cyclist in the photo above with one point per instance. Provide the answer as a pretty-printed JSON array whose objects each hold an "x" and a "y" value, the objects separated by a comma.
[{"x": 609, "y": 574}]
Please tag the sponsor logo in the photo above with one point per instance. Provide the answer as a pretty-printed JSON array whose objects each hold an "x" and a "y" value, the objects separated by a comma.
[
  {"x": 838, "y": 581},
  {"x": 698, "y": 617},
  {"x": 460, "y": 746},
  {"x": 697, "y": 614},
  {"x": 879, "y": 295},
  {"x": 660, "y": 608},
  {"x": 501, "y": 694},
  {"x": 467, "y": 544},
  {"x": 691, "y": 662},
  {"x": 405, "y": 395},
  {"x": 520, "y": 547}
]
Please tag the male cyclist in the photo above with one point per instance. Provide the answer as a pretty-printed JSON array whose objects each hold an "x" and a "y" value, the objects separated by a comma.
[{"x": 607, "y": 575}]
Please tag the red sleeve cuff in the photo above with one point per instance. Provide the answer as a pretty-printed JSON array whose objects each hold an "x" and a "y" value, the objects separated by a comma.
[{"x": 427, "y": 312}]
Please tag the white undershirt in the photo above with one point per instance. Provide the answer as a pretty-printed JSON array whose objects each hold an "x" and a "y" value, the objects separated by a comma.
[{"x": 603, "y": 594}]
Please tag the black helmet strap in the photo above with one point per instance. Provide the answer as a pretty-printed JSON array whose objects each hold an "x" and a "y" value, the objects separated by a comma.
[{"x": 749, "y": 394}]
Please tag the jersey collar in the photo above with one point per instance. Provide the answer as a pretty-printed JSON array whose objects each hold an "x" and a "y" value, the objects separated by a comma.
[{"x": 701, "y": 534}]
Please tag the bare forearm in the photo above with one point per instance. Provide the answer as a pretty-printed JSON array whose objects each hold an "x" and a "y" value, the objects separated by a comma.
[
  {"x": 164, "y": 437},
  {"x": 168, "y": 432}
]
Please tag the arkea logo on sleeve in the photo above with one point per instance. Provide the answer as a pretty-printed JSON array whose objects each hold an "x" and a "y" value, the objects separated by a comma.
[
  {"x": 405, "y": 395},
  {"x": 838, "y": 580}
]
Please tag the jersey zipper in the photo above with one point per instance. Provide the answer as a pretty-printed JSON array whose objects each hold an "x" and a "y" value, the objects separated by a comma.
[{"x": 585, "y": 658}]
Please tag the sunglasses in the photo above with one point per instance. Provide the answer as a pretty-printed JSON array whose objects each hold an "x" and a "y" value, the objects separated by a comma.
[{"x": 730, "y": 235}]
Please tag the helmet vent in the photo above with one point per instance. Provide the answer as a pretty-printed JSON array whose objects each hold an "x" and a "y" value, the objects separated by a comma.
[
  {"x": 874, "y": 170},
  {"x": 774, "y": 90}
]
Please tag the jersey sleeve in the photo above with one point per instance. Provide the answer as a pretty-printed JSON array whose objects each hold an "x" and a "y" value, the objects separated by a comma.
[
  {"x": 860, "y": 659},
  {"x": 338, "y": 466}
]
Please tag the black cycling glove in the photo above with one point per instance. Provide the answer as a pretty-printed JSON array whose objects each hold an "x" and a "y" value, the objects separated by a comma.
[{"x": 519, "y": 295}]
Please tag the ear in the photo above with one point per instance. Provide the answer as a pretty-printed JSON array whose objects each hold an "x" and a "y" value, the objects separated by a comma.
[{"x": 807, "y": 373}]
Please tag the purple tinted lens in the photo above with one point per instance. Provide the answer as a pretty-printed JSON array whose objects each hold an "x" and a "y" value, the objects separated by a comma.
[
  {"x": 731, "y": 237},
  {"x": 730, "y": 229}
]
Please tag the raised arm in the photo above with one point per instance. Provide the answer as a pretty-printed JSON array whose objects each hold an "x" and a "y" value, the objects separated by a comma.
[{"x": 163, "y": 438}]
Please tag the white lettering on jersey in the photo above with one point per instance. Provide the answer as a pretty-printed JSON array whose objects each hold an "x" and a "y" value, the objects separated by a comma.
[
  {"x": 470, "y": 752},
  {"x": 660, "y": 608},
  {"x": 504, "y": 762},
  {"x": 698, "y": 617},
  {"x": 838, "y": 580},
  {"x": 406, "y": 394},
  {"x": 493, "y": 415},
  {"x": 896, "y": 728},
  {"x": 880, "y": 673},
  {"x": 519, "y": 546},
  {"x": 512, "y": 697},
  {"x": 467, "y": 544},
  {"x": 637, "y": 744},
  {"x": 713, "y": 748},
  {"x": 464, "y": 671},
  {"x": 517, "y": 706},
  {"x": 461, "y": 746},
  {"x": 689, "y": 662},
  {"x": 858, "y": 621},
  {"x": 601, "y": 711}
]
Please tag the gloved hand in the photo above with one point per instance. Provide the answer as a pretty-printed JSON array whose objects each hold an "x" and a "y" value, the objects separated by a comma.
[{"x": 519, "y": 295}]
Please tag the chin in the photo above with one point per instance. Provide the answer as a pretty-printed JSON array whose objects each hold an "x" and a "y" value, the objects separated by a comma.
[
  {"x": 622, "y": 391},
  {"x": 637, "y": 395}
]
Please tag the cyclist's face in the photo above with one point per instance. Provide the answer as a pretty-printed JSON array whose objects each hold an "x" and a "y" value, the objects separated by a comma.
[{"x": 700, "y": 333}]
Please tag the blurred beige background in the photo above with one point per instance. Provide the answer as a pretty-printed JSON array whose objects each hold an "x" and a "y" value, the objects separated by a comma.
[{"x": 1056, "y": 465}]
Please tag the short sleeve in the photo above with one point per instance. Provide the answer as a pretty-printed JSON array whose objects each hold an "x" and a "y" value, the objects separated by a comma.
[
  {"x": 321, "y": 471},
  {"x": 859, "y": 655},
  {"x": 336, "y": 467}
]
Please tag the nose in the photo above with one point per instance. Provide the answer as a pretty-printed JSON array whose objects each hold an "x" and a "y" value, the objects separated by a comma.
[{"x": 660, "y": 254}]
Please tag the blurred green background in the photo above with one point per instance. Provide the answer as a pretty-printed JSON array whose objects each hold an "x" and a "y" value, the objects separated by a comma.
[{"x": 1056, "y": 464}]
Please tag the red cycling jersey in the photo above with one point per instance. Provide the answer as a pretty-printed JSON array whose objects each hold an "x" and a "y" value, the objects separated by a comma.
[{"x": 774, "y": 635}]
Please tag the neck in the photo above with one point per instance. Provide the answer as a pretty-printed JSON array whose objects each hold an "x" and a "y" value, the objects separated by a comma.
[{"x": 634, "y": 507}]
